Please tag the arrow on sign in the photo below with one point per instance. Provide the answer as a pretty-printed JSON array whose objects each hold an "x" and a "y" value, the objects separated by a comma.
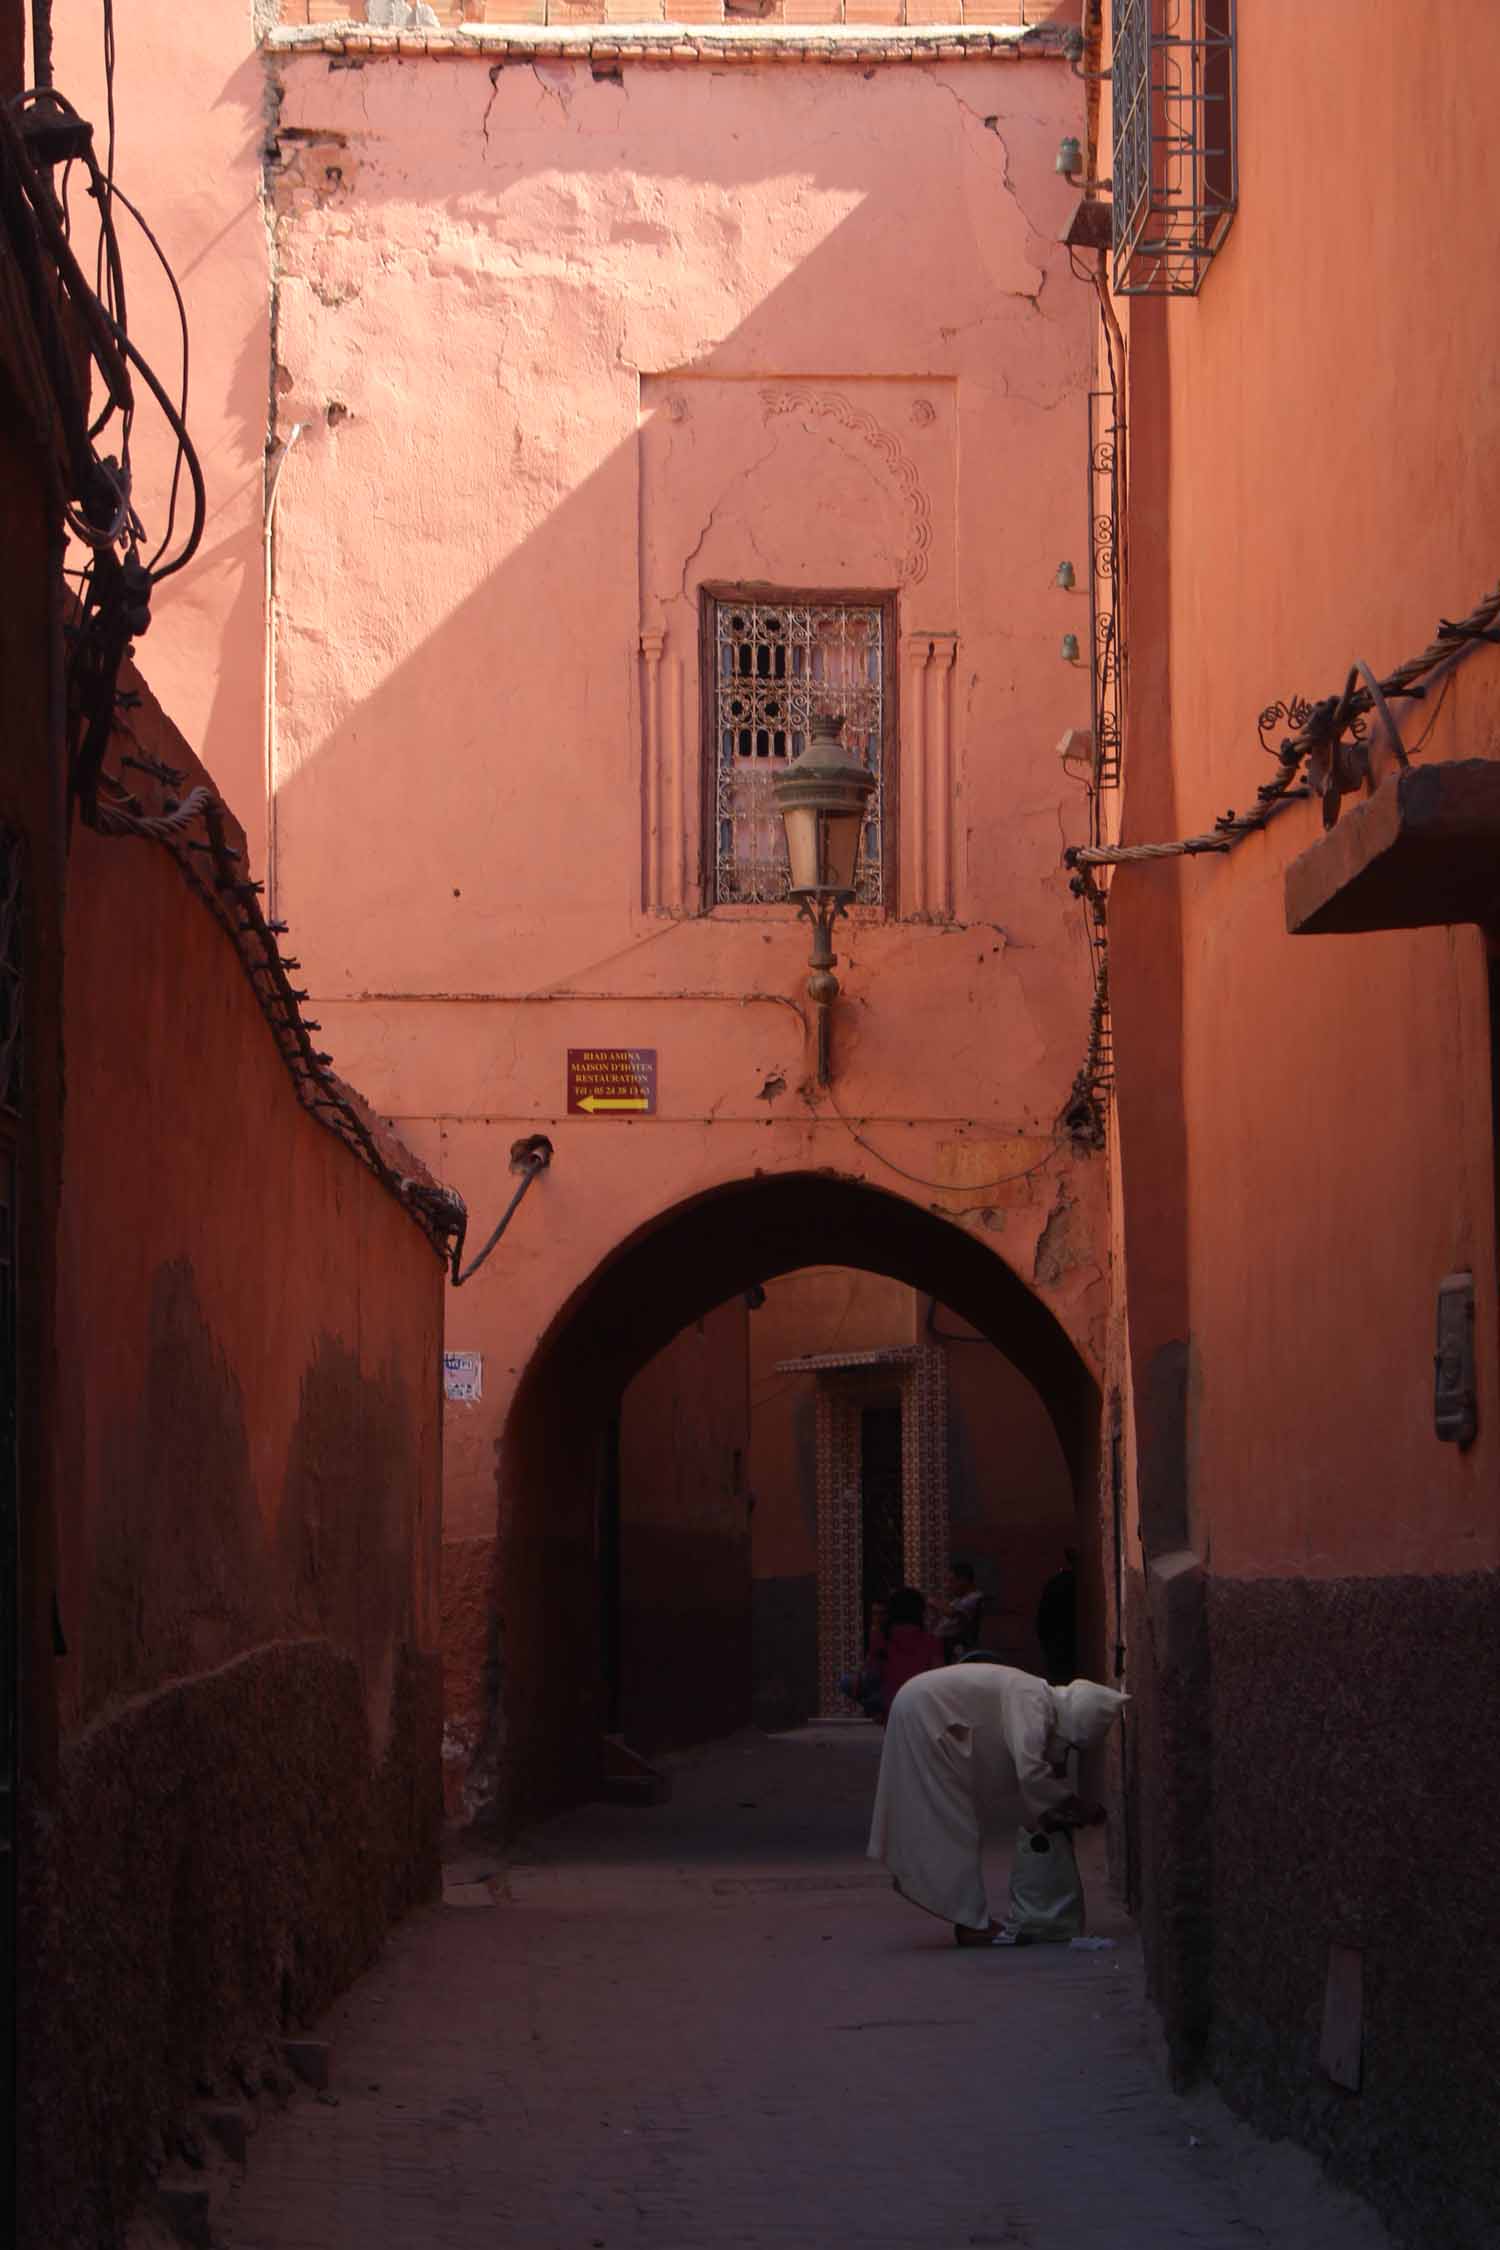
[{"x": 591, "y": 1102}]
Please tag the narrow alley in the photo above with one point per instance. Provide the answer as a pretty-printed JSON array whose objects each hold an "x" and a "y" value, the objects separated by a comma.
[
  {"x": 749, "y": 948},
  {"x": 710, "y": 2024}
]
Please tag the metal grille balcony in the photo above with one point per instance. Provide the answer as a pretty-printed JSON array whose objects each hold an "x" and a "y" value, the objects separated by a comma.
[
  {"x": 1175, "y": 182},
  {"x": 1105, "y": 619},
  {"x": 774, "y": 664}
]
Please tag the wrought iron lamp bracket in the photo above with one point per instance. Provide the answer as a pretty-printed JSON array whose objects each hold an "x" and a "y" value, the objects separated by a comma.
[{"x": 822, "y": 909}]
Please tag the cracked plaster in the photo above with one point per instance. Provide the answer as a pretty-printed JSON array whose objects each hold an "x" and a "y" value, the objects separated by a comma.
[{"x": 519, "y": 267}]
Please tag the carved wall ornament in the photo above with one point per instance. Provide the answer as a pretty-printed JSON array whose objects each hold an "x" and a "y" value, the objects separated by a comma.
[{"x": 798, "y": 399}]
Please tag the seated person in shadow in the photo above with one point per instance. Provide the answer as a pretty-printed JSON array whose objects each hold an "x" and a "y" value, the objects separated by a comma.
[
  {"x": 899, "y": 1648},
  {"x": 962, "y": 1612}
]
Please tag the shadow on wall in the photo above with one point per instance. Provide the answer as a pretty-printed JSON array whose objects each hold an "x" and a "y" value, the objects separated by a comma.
[
  {"x": 543, "y": 1728},
  {"x": 574, "y": 505},
  {"x": 676, "y": 1624},
  {"x": 232, "y": 1773}
]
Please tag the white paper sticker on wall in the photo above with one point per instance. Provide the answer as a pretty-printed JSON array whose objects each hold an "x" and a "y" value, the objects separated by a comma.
[{"x": 463, "y": 1375}]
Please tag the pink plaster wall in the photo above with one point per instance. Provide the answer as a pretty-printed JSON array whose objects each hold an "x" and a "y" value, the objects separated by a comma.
[
  {"x": 569, "y": 339},
  {"x": 190, "y": 104},
  {"x": 548, "y": 309},
  {"x": 1335, "y": 1091}
]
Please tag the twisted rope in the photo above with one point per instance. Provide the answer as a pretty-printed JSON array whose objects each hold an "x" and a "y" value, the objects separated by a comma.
[{"x": 1322, "y": 730}]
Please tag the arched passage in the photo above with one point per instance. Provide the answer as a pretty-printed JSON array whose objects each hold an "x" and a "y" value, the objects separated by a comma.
[{"x": 548, "y": 1702}]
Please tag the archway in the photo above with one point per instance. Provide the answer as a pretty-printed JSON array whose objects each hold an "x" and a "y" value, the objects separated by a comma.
[{"x": 556, "y": 1454}]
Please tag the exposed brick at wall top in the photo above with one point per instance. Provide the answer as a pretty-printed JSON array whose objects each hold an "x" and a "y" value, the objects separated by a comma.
[{"x": 888, "y": 12}]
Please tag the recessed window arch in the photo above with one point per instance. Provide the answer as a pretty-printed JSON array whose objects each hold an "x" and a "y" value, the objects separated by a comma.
[{"x": 770, "y": 659}]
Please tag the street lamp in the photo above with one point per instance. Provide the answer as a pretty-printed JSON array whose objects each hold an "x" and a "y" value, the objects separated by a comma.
[{"x": 822, "y": 799}]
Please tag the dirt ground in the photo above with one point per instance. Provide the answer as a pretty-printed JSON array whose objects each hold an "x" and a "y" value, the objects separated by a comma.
[{"x": 710, "y": 2025}]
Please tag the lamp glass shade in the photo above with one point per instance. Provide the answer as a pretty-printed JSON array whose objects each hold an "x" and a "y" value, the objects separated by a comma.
[
  {"x": 822, "y": 800},
  {"x": 801, "y": 823},
  {"x": 840, "y": 838}
]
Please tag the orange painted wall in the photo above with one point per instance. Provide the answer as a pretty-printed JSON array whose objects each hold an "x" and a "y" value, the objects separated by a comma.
[
  {"x": 250, "y": 1326},
  {"x": 1304, "y": 1139},
  {"x": 1010, "y": 1495},
  {"x": 238, "y": 1588},
  {"x": 1330, "y": 494}
]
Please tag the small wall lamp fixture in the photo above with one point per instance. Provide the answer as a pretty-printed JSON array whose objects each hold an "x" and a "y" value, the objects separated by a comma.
[
  {"x": 822, "y": 799},
  {"x": 1067, "y": 577},
  {"x": 1068, "y": 649},
  {"x": 1069, "y": 157}
]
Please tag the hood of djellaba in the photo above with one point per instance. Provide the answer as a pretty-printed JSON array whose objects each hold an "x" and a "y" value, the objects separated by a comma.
[{"x": 1086, "y": 1712}]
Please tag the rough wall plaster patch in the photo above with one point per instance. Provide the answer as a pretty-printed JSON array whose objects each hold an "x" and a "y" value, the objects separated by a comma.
[
  {"x": 1062, "y": 1242},
  {"x": 902, "y": 468}
]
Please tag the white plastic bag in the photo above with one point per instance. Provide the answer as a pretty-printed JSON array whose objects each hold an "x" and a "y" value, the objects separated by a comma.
[{"x": 1046, "y": 1893}]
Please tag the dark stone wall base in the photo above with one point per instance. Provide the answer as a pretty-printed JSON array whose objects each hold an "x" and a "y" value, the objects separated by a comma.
[
  {"x": 784, "y": 1651},
  {"x": 1356, "y": 1804},
  {"x": 684, "y": 1636},
  {"x": 1312, "y": 1765},
  {"x": 1169, "y": 1753},
  {"x": 219, "y": 1860}
]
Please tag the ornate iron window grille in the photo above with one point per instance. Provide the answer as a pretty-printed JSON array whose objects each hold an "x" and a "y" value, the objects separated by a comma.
[
  {"x": 1175, "y": 179},
  {"x": 774, "y": 664},
  {"x": 1107, "y": 652}
]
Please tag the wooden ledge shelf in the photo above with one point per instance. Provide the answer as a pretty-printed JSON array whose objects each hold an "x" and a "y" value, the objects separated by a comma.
[{"x": 1424, "y": 850}]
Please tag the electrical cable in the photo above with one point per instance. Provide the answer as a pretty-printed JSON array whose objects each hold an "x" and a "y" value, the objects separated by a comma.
[
  {"x": 535, "y": 1164},
  {"x": 951, "y": 1187},
  {"x": 118, "y": 195}
]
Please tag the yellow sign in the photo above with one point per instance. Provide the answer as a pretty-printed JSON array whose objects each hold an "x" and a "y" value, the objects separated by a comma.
[{"x": 611, "y": 1081}]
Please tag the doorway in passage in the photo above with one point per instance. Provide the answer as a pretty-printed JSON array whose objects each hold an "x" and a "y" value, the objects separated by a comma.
[{"x": 881, "y": 1515}]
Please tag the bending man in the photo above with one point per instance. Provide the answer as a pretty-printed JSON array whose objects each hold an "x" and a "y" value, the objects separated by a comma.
[{"x": 954, "y": 1741}]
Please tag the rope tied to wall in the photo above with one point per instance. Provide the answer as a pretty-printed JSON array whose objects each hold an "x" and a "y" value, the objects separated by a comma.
[
  {"x": 1314, "y": 760},
  {"x": 1317, "y": 740}
]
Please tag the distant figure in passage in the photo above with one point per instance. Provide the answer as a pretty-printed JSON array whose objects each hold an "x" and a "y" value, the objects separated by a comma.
[
  {"x": 899, "y": 1647},
  {"x": 954, "y": 1741},
  {"x": 961, "y": 1611},
  {"x": 863, "y": 1687},
  {"x": 1057, "y": 1619},
  {"x": 909, "y": 1647}
]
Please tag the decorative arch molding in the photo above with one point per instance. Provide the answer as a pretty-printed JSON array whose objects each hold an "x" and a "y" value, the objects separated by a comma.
[{"x": 802, "y": 399}]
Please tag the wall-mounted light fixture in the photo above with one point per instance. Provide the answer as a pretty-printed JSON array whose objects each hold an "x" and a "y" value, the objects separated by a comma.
[
  {"x": 530, "y": 1158},
  {"x": 1067, "y": 577},
  {"x": 1069, "y": 157},
  {"x": 1076, "y": 750},
  {"x": 822, "y": 799},
  {"x": 1068, "y": 648}
]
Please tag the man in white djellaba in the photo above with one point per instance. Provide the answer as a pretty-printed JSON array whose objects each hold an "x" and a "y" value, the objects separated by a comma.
[{"x": 957, "y": 1739}]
